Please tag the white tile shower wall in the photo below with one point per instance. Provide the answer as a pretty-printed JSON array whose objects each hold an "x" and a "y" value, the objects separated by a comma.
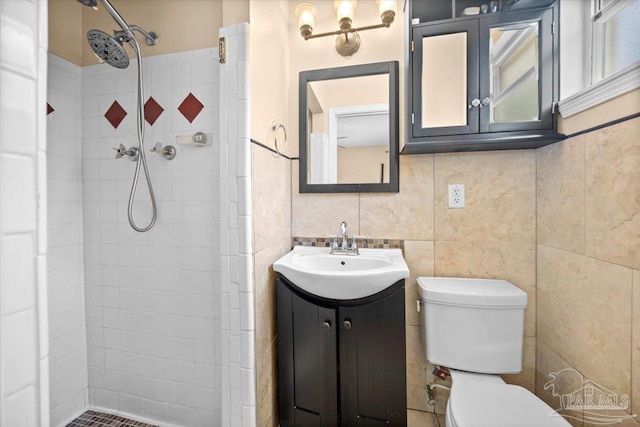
[
  {"x": 67, "y": 325},
  {"x": 236, "y": 355},
  {"x": 24, "y": 349},
  {"x": 152, "y": 298}
]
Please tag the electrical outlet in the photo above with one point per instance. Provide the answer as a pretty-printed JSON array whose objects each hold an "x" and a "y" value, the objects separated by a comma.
[{"x": 456, "y": 196}]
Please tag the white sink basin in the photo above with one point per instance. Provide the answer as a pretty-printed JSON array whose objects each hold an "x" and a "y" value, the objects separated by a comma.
[{"x": 342, "y": 277}]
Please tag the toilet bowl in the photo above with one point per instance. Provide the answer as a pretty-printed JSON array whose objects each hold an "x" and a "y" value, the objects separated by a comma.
[
  {"x": 479, "y": 400},
  {"x": 474, "y": 327}
]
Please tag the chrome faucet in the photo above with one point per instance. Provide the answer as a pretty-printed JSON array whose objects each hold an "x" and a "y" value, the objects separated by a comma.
[
  {"x": 343, "y": 248},
  {"x": 344, "y": 245}
]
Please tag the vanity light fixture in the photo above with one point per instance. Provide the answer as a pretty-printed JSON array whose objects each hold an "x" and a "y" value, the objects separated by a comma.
[{"x": 348, "y": 40}]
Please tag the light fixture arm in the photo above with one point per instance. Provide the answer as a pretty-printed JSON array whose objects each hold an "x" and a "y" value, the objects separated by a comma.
[
  {"x": 350, "y": 30},
  {"x": 348, "y": 39}
]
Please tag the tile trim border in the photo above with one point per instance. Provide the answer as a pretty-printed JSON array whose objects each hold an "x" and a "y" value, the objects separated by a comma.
[
  {"x": 604, "y": 125},
  {"x": 325, "y": 242}
]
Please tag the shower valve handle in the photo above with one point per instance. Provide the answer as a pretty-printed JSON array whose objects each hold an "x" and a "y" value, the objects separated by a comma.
[
  {"x": 132, "y": 153},
  {"x": 120, "y": 151},
  {"x": 168, "y": 152}
]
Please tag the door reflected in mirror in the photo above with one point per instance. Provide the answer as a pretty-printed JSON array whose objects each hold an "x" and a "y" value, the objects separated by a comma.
[
  {"x": 349, "y": 130},
  {"x": 514, "y": 73}
]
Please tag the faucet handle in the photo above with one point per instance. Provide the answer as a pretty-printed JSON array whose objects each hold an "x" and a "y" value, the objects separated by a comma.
[
  {"x": 121, "y": 151},
  {"x": 354, "y": 244},
  {"x": 334, "y": 243}
]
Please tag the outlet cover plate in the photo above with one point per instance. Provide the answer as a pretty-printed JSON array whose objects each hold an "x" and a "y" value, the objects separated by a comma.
[{"x": 456, "y": 196}]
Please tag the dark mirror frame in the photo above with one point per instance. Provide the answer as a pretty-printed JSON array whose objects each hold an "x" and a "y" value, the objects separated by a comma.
[{"x": 390, "y": 68}]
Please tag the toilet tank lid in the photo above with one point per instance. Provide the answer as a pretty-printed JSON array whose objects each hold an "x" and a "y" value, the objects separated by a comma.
[{"x": 471, "y": 292}]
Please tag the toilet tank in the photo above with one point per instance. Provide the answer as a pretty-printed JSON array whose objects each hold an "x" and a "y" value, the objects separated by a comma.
[{"x": 473, "y": 325}]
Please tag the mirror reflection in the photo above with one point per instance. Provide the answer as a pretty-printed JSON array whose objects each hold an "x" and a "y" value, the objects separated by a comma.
[
  {"x": 514, "y": 73},
  {"x": 348, "y": 137},
  {"x": 444, "y": 80}
]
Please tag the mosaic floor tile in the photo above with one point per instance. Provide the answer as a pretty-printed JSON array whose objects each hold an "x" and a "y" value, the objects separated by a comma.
[{"x": 100, "y": 419}]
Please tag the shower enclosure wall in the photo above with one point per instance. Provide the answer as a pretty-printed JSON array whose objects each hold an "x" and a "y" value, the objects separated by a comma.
[{"x": 155, "y": 325}]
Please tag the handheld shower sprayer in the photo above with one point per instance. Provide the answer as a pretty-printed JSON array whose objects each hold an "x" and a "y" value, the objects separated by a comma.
[{"x": 111, "y": 50}]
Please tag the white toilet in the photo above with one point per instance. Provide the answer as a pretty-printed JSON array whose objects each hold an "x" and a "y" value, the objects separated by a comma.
[{"x": 474, "y": 327}]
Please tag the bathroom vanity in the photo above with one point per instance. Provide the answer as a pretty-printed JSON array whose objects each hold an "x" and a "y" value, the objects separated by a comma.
[
  {"x": 341, "y": 362},
  {"x": 341, "y": 338}
]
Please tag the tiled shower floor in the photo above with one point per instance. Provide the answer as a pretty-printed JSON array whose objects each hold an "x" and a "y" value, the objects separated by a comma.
[{"x": 99, "y": 419}]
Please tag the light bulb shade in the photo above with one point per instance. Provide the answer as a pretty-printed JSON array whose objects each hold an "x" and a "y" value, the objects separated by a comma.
[
  {"x": 387, "y": 9},
  {"x": 387, "y": 6},
  {"x": 305, "y": 14},
  {"x": 345, "y": 8}
]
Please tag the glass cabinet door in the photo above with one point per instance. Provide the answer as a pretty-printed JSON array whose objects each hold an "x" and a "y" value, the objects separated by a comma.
[
  {"x": 445, "y": 85},
  {"x": 515, "y": 77}
]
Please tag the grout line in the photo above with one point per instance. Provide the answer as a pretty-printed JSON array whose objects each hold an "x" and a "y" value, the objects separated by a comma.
[
  {"x": 433, "y": 160},
  {"x": 584, "y": 194}
]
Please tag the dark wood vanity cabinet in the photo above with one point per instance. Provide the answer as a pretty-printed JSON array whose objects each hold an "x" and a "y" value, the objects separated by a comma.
[
  {"x": 341, "y": 363},
  {"x": 484, "y": 82}
]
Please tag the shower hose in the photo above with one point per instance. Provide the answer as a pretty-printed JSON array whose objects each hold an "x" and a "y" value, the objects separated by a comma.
[{"x": 142, "y": 160}]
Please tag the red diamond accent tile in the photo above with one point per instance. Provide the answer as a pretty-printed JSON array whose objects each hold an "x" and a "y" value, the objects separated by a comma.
[
  {"x": 152, "y": 110},
  {"x": 49, "y": 109},
  {"x": 190, "y": 107},
  {"x": 115, "y": 114}
]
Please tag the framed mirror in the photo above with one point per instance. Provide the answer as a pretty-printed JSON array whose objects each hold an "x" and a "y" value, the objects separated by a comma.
[{"x": 349, "y": 134}]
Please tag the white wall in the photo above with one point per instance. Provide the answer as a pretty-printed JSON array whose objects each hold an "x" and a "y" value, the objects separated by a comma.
[
  {"x": 23, "y": 241},
  {"x": 151, "y": 297},
  {"x": 67, "y": 325},
  {"x": 236, "y": 359},
  {"x": 575, "y": 50}
]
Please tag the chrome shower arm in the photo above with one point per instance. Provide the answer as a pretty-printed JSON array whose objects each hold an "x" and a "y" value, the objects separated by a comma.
[
  {"x": 151, "y": 38},
  {"x": 116, "y": 16}
]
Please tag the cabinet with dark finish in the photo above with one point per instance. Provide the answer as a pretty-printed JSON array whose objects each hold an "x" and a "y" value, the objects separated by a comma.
[
  {"x": 484, "y": 82},
  {"x": 422, "y": 11},
  {"x": 341, "y": 363}
]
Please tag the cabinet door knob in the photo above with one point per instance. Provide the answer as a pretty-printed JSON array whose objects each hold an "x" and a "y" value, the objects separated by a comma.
[
  {"x": 486, "y": 101},
  {"x": 474, "y": 103},
  {"x": 347, "y": 324},
  {"x": 326, "y": 325}
]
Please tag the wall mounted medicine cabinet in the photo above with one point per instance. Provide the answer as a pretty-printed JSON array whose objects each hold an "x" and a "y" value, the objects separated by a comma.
[{"x": 484, "y": 82}]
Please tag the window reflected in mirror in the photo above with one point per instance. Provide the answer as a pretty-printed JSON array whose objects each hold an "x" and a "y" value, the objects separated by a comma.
[
  {"x": 514, "y": 72},
  {"x": 348, "y": 130}
]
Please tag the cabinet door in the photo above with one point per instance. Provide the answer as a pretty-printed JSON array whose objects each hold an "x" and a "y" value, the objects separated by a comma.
[
  {"x": 372, "y": 363},
  {"x": 445, "y": 92},
  {"x": 516, "y": 71},
  {"x": 307, "y": 362}
]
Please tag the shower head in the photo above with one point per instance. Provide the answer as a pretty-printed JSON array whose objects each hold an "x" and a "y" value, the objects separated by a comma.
[
  {"x": 126, "y": 35},
  {"x": 108, "y": 49},
  {"x": 112, "y": 11},
  {"x": 90, "y": 3}
]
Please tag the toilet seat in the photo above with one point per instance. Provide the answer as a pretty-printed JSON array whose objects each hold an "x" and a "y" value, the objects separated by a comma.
[{"x": 491, "y": 404}]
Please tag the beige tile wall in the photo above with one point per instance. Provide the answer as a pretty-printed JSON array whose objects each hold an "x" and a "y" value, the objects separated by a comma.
[
  {"x": 577, "y": 200},
  {"x": 271, "y": 199},
  {"x": 493, "y": 237},
  {"x": 588, "y": 254},
  {"x": 635, "y": 345}
]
